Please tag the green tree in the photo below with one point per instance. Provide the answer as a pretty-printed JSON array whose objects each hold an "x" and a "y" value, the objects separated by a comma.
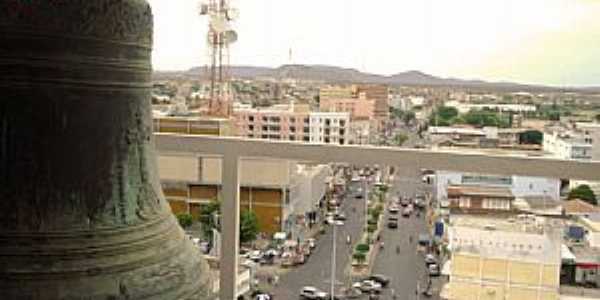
[
  {"x": 447, "y": 113},
  {"x": 408, "y": 117},
  {"x": 208, "y": 217},
  {"x": 360, "y": 257},
  {"x": 400, "y": 139},
  {"x": 248, "y": 226},
  {"x": 597, "y": 117},
  {"x": 583, "y": 192},
  {"x": 185, "y": 220},
  {"x": 362, "y": 248}
]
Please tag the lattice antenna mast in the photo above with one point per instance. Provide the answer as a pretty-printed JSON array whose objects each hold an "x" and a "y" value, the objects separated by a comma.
[{"x": 220, "y": 35}]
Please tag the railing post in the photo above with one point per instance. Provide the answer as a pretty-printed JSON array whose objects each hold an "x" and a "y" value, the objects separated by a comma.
[{"x": 230, "y": 214}]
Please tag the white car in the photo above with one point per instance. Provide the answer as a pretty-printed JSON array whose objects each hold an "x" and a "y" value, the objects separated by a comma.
[
  {"x": 368, "y": 286},
  {"x": 309, "y": 292},
  {"x": 430, "y": 259},
  {"x": 256, "y": 256}
]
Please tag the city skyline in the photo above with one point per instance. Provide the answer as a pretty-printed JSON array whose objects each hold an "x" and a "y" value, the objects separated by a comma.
[{"x": 538, "y": 42}]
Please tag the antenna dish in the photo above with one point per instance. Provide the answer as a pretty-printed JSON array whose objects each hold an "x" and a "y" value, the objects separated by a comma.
[
  {"x": 203, "y": 9},
  {"x": 230, "y": 37},
  {"x": 232, "y": 14}
]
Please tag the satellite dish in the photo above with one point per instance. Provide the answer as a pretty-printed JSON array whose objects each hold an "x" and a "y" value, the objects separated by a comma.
[
  {"x": 232, "y": 14},
  {"x": 218, "y": 24},
  {"x": 203, "y": 9},
  {"x": 230, "y": 37}
]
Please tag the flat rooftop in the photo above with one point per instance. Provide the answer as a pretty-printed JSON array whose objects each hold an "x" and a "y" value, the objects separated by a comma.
[{"x": 518, "y": 224}]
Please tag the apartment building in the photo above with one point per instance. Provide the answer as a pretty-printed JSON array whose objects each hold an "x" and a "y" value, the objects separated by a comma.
[
  {"x": 336, "y": 92},
  {"x": 291, "y": 122},
  {"x": 329, "y": 127},
  {"x": 280, "y": 122},
  {"x": 379, "y": 93},
  {"x": 503, "y": 258},
  {"x": 565, "y": 144},
  {"x": 357, "y": 108}
]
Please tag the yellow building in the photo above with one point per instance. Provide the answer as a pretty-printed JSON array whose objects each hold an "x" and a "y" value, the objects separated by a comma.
[
  {"x": 337, "y": 92},
  {"x": 503, "y": 259},
  {"x": 190, "y": 180}
]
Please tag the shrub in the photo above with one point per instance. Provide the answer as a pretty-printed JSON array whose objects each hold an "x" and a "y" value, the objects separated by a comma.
[
  {"x": 362, "y": 248},
  {"x": 371, "y": 228},
  {"x": 185, "y": 220},
  {"x": 360, "y": 257}
]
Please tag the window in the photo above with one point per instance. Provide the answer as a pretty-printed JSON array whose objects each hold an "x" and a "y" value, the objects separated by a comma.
[
  {"x": 464, "y": 202},
  {"x": 342, "y": 132},
  {"x": 342, "y": 142},
  {"x": 497, "y": 204},
  {"x": 251, "y": 127},
  {"x": 327, "y": 140},
  {"x": 342, "y": 123},
  {"x": 265, "y": 128},
  {"x": 292, "y": 120},
  {"x": 251, "y": 118},
  {"x": 306, "y": 130},
  {"x": 306, "y": 121},
  {"x": 292, "y": 128},
  {"x": 306, "y": 139},
  {"x": 292, "y": 138},
  {"x": 264, "y": 119}
]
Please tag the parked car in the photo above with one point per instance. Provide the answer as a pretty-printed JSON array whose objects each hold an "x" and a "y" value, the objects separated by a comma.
[
  {"x": 312, "y": 243},
  {"x": 407, "y": 211},
  {"x": 367, "y": 286},
  {"x": 380, "y": 278},
  {"x": 256, "y": 256},
  {"x": 434, "y": 270},
  {"x": 404, "y": 201},
  {"x": 394, "y": 209},
  {"x": 340, "y": 217},
  {"x": 430, "y": 259},
  {"x": 392, "y": 223},
  {"x": 309, "y": 292}
]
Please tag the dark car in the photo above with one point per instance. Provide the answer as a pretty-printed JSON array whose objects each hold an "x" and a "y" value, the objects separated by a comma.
[
  {"x": 381, "y": 279},
  {"x": 392, "y": 223}
]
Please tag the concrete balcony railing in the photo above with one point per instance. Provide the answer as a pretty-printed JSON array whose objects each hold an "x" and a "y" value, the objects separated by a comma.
[{"x": 232, "y": 149}]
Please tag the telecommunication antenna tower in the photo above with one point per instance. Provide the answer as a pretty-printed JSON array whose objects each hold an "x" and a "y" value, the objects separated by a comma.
[{"x": 220, "y": 35}]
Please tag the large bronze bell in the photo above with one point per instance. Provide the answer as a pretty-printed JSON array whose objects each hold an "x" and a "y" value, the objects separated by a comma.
[{"x": 82, "y": 214}]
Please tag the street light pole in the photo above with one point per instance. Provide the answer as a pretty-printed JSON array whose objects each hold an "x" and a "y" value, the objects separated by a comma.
[
  {"x": 366, "y": 204},
  {"x": 333, "y": 261}
]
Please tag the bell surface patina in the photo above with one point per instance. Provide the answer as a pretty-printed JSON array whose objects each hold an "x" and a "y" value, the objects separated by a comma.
[{"x": 82, "y": 214}]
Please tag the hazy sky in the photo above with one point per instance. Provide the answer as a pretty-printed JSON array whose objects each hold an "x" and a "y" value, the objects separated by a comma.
[{"x": 553, "y": 42}]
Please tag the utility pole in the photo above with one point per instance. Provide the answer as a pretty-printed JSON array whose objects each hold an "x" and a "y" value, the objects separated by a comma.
[{"x": 333, "y": 260}]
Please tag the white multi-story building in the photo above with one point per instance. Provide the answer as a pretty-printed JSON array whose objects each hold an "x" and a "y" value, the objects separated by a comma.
[
  {"x": 567, "y": 145},
  {"x": 329, "y": 127},
  {"x": 466, "y": 107},
  {"x": 520, "y": 186}
]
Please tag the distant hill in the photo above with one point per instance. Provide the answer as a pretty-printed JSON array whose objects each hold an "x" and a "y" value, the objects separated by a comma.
[{"x": 346, "y": 75}]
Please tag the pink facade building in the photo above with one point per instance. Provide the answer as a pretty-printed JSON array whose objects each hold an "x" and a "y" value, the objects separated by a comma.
[
  {"x": 276, "y": 123},
  {"x": 358, "y": 108},
  {"x": 292, "y": 123}
]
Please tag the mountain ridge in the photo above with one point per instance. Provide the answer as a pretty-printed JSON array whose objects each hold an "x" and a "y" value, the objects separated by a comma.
[{"x": 334, "y": 74}]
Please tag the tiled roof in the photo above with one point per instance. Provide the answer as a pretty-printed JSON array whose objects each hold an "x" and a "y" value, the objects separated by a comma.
[{"x": 577, "y": 206}]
